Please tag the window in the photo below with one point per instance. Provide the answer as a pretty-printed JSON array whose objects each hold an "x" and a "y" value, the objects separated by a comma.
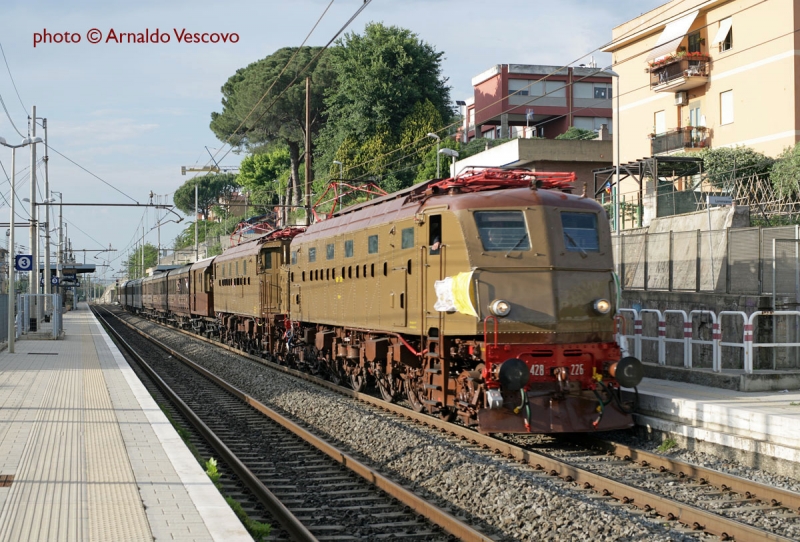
[
  {"x": 372, "y": 244},
  {"x": 237, "y": 268},
  {"x": 580, "y": 232},
  {"x": 660, "y": 122},
  {"x": 294, "y": 257},
  {"x": 526, "y": 87},
  {"x": 555, "y": 89},
  {"x": 312, "y": 255},
  {"x": 726, "y": 107},
  {"x": 348, "y": 249},
  {"x": 435, "y": 234},
  {"x": 694, "y": 42},
  {"x": 600, "y": 93},
  {"x": 268, "y": 260},
  {"x": 329, "y": 251},
  {"x": 407, "y": 238},
  {"x": 727, "y": 43},
  {"x": 502, "y": 230},
  {"x": 244, "y": 267}
]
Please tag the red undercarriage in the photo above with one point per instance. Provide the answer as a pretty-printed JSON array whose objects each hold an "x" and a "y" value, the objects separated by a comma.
[{"x": 568, "y": 390}]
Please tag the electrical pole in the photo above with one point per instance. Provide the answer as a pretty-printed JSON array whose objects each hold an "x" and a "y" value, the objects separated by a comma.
[
  {"x": 48, "y": 288},
  {"x": 196, "y": 212},
  {"x": 142, "y": 248},
  {"x": 308, "y": 151},
  {"x": 33, "y": 287}
]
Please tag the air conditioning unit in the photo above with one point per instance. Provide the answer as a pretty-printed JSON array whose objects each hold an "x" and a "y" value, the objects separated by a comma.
[{"x": 681, "y": 98}]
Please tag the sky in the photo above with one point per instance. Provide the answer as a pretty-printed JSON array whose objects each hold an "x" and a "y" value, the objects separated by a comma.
[{"x": 131, "y": 114}]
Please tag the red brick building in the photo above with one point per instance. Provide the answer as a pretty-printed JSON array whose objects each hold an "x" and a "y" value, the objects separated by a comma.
[{"x": 547, "y": 99}]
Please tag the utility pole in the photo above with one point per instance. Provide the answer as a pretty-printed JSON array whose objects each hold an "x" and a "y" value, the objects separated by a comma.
[
  {"x": 48, "y": 288},
  {"x": 33, "y": 287},
  {"x": 308, "y": 151},
  {"x": 142, "y": 249},
  {"x": 196, "y": 212}
]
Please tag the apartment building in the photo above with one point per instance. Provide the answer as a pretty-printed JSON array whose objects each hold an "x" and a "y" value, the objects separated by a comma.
[
  {"x": 707, "y": 73},
  {"x": 522, "y": 100}
]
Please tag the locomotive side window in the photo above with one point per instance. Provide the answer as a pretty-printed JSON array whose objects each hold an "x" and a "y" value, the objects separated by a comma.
[
  {"x": 348, "y": 249},
  {"x": 329, "y": 252},
  {"x": 294, "y": 257},
  {"x": 372, "y": 244},
  {"x": 502, "y": 231},
  {"x": 407, "y": 238},
  {"x": 244, "y": 267},
  {"x": 434, "y": 234},
  {"x": 580, "y": 232},
  {"x": 312, "y": 255}
]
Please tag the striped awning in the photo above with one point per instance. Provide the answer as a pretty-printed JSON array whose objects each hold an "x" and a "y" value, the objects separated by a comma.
[{"x": 672, "y": 36}]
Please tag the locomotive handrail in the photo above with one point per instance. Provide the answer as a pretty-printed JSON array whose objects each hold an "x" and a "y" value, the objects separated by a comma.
[
  {"x": 485, "y": 340},
  {"x": 637, "y": 331}
]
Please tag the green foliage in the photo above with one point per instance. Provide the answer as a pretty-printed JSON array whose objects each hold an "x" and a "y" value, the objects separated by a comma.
[
  {"x": 210, "y": 189},
  {"x": 666, "y": 445},
  {"x": 212, "y": 472},
  {"x": 133, "y": 264},
  {"x": 723, "y": 164},
  {"x": 577, "y": 133},
  {"x": 266, "y": 175},
  {"x": 206, "y": 230},
  {"x": 389, "y": 94},
  {"x": 259, "y": 531},
  {"x": 785, "y": 174}
]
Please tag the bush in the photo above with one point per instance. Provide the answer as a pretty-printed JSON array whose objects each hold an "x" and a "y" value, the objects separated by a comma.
[
  {"x": 577, "y": 133},
  {"x": 785, "y": 175},
  {"x": 724, "y": 164}
]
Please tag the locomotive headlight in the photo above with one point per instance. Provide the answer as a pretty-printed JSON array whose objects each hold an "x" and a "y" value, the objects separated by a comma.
[
  {"x": 602, "y": 306},
  {"x": 500, "y": 307}
]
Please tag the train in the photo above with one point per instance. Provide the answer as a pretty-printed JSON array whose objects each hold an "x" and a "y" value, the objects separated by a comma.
[{"x": 488, "y": 297}]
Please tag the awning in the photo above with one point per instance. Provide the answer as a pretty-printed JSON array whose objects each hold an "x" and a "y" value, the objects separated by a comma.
[
  {"x": 724, "y": 28},
  {"x": 672, "y": 36}
]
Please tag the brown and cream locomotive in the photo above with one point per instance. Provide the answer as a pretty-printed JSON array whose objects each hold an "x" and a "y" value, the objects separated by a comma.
[{"x": 489, "y": 297}]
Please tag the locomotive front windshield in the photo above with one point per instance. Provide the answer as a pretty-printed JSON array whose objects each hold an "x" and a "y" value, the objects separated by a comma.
[
  {"x": 580, "y": 232},
  {"x": 502, "y": 230}
]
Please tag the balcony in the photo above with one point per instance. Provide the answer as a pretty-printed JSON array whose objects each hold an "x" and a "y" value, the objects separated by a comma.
[
  {"x": 680, "y": 139},
  {"x": 681, "y": 72}
]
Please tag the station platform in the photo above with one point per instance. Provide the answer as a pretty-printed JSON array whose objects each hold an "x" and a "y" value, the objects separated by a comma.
[
  {"x": 86, "y": 454},
  {"x": 755, "y": 428}
]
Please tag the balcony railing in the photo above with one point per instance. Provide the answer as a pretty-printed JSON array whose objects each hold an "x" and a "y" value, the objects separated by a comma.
[
  {"x": 687, "y": 137},
  {"x": 679, "y": 73}
]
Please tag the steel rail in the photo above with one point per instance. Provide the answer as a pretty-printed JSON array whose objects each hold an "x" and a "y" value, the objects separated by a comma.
[
  {"x": 288, "y": 521},
  {"x": 691, "y": 516},
  {"x": 774, "y": 495},
  {"x": 440, "y": 517}
]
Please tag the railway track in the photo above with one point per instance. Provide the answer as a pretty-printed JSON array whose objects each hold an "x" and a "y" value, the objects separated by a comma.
[
  {"x": 311, "y": 488},
  {"x": 727, "y": 506}
]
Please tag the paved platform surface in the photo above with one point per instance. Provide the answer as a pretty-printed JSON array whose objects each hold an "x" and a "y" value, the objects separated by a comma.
[
  {"x": 86, "y": 454},
  {"x": 763, "y": 423}
]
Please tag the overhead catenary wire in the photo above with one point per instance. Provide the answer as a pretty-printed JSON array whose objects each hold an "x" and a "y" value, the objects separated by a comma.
[{"x": 25, "y": 109}]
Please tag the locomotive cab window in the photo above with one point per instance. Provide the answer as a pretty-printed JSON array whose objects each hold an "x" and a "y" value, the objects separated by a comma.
[
  {"x": 580, "y": 232},
  {"x": 266, "y": 260},
  {"x": 294, "y": 257},
  {"x": 434, "y": 234},
  {"x": 502, "y": 231},
  {"x": 372, "y": 244},
  {"x": 407, "y": 238},
  {"x": 312, "y": 255}
]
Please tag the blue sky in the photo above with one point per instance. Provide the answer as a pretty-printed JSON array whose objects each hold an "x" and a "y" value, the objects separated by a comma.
[{"x": 133, "y": 114}]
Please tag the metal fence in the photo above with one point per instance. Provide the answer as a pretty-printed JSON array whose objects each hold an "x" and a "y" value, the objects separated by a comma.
[{"x": 746, "y": 261}]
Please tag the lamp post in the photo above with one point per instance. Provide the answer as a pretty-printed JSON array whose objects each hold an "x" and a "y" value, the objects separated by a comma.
[
  {"x": 617, "y": 221},
  {"x": 12, "y": 197},
  {"x": 453, "y": 154},
  {"x": 438, "y": 142}
]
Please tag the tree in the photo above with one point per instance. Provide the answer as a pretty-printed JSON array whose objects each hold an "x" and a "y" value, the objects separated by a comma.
[
  {"x": 389, "y": 93},
  {"x": 133, "y": 265},
  {"x": 265, "y": 175},
  {"x": 263, "y": 104},
  {"x": 724, "y": 163},
  {"x": 211, "y": 188},
  {"x": 785, "y": 173},
  {"x": 577, "y": 133}
]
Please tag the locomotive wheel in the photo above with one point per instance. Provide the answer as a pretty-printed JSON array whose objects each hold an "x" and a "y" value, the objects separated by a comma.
[
  {"x": 358, "y": 382},
  {"x": 413, "y": 395},
  {"x": 386, "y": 385}
]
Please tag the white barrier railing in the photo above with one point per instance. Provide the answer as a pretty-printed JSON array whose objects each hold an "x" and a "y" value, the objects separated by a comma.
[{"x": 748, "y": 345}]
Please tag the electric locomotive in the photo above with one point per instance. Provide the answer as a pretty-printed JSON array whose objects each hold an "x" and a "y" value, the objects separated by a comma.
[{"x": 487, "y": 297}]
